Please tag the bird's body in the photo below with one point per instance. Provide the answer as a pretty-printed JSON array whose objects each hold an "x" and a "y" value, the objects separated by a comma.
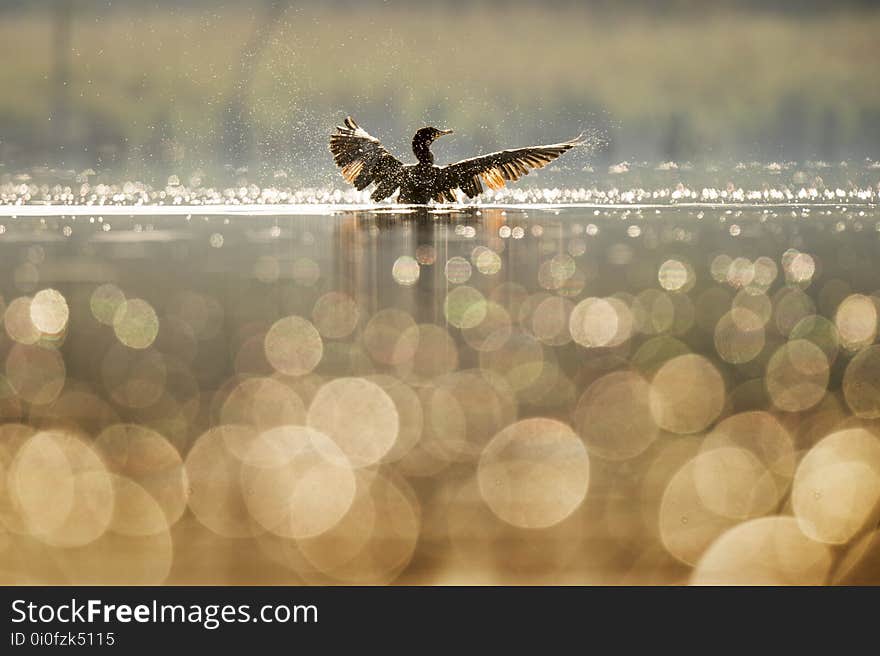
[
  {"x": 364, "y": 161},
  {"x": 417, "y": 182}
]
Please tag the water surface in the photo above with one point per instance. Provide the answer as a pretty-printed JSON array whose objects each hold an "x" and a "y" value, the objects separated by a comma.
[{"x": 515, "y": 393}]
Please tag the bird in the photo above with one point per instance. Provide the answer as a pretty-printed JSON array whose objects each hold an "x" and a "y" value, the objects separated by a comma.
[{"x": 365, "y": 161}]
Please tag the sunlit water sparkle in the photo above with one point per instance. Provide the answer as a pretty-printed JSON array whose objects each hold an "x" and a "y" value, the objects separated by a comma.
[{"x": 637, "y": 389}]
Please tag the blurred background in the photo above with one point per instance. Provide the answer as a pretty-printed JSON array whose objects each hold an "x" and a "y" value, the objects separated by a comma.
[{"x": 148, "y": 86}]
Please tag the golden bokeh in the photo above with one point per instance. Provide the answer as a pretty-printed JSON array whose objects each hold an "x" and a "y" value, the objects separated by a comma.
[
  {"x": 49, "y": 311},
  {"x": 335, "y": 315},
  {"x": 151, "y": 465},
  {"x": 492, "y": 332},
  {"x": 600, "y": 322},
  {"x": 861, "y": 383},
  {"x": 36, "y": 374},
  {"x": 739, "y": 336},
  {"x": 836, "y": 490},
  {"x": 296, "y": 482},
  {"x": 263, "y": 403},
  {"x": 687, "y": 394},
  {"x": 134, "y": 378},
  {"x": 406, "y": 271},
  {"x": 685, "y": 524},
  {"x": 382, "y": 334},
  {"x": 465, "y": 307},
  {"x": 135, "y": 323},
  {"x": 496, "y": 395},
  {"x": 458, "y": 270},
  {"x": 358, "y": 416},
  {"x": 18, "y": 322},
  {"x": 760, "y": 433},
  {"x": 550, "y": 321},
  {"x": 675, "y": 275},
  {"x": 856, "y": 321},
  {"x": 534, "y": 473},
  {"x": 63, "y": 491},
  {"x": 104, "y": 302},
  {"x": 614, "y": 418},
  {"x": 214, "y": 468},
  {"x": 733, "y": 482},
  {"x": 797, "y": 375},
  {"x": 764, "y": 551},
  {"x": 488, "y": 262},
  {"x": 293, "y": 346},
  {"x": 424, "y": 351}
]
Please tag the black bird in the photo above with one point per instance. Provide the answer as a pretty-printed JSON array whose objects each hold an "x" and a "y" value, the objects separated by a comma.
[{"x": 364, "y": 160}]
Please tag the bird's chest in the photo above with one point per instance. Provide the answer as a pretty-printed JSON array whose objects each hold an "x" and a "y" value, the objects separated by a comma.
[
  {"x": 419, "y": 183},
  {"x": 422, "y": 175}
]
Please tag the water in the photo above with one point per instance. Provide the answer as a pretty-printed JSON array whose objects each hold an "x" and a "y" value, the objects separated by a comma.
[
  {"x": 568, "y": 181},
  {"x": 628, "y": 392}
]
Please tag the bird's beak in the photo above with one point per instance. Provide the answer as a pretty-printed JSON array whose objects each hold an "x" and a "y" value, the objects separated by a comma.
[{"x": 445, "y": 132}]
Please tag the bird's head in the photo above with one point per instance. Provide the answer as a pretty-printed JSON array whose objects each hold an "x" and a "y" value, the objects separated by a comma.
[{"x": 429, "y": 134}]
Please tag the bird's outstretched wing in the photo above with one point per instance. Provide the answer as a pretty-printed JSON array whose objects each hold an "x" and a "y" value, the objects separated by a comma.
[
  {"x": 495, "y": 169},
  {"x": 364, "y": 160}
]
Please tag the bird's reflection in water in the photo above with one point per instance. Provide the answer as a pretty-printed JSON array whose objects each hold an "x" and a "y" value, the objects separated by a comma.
[{"x": 441, "y": 395}]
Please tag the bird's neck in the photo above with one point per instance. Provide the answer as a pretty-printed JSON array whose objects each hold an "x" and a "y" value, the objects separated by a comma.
[{"x": 422, "y": 151}]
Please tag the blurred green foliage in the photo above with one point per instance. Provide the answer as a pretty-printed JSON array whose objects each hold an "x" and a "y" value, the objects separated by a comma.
[{"x": 153, "y": 84}]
